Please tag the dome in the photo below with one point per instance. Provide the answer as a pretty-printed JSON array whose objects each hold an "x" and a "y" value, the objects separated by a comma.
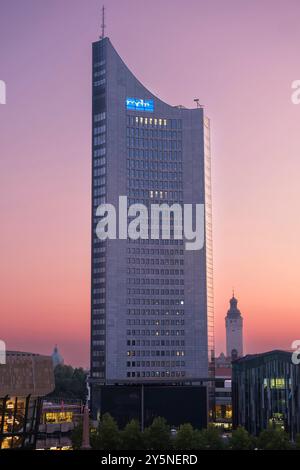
[
  {"x": 233, "y": 311},
  {"x": 57, "y": 358}
]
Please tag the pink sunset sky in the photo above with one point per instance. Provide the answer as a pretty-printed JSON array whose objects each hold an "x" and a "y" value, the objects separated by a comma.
[{"x": 239, "y": 58}]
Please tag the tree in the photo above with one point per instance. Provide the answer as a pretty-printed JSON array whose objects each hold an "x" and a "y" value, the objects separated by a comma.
[
  {"x": 186, "y": 438},
  {"x": 132, "y": 437},
  {"x": 274, "y": 439},
  {"x": 76, "y": 437},
  {"x": 157, "y": 436},
  {"x": 297, "y": 442},
  {"x": 108, "y": 436},
  {"x": 210, "y": 439},
  {"x": 69, "y": 383},
  {"x": 241, "y": 440},
  {"x": 199, "y": 440}
]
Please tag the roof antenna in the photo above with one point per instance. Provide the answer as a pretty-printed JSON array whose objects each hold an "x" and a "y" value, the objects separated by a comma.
[
  {"x": 197, "y": 103},
  {"x": 103, "y": 25}
]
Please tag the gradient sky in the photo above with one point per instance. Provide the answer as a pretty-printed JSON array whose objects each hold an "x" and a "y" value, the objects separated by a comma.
[{"x": 239, "y": 58}]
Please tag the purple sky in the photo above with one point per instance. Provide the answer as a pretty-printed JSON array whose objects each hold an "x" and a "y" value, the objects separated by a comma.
[{"x": 239, "y": 58}]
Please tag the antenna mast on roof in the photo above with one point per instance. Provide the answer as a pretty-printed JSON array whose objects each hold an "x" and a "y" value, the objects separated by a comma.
[
  {"x": 197, "y": 103},
  {"x": 103, "y": 25}
]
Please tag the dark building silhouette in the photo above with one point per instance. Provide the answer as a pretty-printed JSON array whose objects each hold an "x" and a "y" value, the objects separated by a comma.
[{"x": 266, "y": 391}]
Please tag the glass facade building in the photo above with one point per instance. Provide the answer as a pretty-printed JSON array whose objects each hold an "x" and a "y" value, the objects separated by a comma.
[
  {"x": 19, "y": 421},
  {"x": 151, "y": 299},
  {"x": 144, "y": 403},
  {"x": 24, "y": 379},
  {"x": 266, "y": 391}
]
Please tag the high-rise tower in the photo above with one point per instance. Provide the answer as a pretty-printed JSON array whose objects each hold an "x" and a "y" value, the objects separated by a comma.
[
  {"x": 152, "y": 300},
  {"x": 234, "y": 330}
]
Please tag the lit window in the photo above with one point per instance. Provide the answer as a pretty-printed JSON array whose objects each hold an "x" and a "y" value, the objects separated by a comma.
[{"x": 277, "y": 383}]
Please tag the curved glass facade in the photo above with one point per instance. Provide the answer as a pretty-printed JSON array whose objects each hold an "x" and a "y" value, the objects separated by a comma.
[
  {"x": 19, "y": 421},
  {"x": 266, "y": 392},
  {"x": 152, "y": 300}
]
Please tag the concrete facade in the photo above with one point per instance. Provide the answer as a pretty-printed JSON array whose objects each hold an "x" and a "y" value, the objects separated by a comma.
[
  {"x": 234, "y": 331},
  {"x": 152, "y": 300},
  {"x": 26, "y": 374}
]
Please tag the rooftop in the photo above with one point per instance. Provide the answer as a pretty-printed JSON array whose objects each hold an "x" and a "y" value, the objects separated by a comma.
[
  {"x": 265, "y": 356},
  {"x": 25, "y": 373}
]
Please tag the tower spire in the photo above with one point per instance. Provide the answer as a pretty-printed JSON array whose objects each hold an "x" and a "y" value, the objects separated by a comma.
[
  {"x": 234, "y": 330},
  {"x": 103, "y": 25}
]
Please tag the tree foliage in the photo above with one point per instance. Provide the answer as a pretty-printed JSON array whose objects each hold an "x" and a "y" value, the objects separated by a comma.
[
  {"x": 108, "y": 436},
  {"x": 210, "y": 439},
  {"x": 297, "y": 442},
  {"x": 69, "y": 383},
  {"x": 273, "y": 439},
  {"x": 241, "y": 440},
  {"x": 76, "y": 437},
  {"x": 187, "y": 438},
  {"x": 132, "y": 437},
  {"x": 157, "y": 435}
]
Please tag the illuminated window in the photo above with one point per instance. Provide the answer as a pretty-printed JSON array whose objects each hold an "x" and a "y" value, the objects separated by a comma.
[
  {"x": 275, "y": 382},
  {"x": 59, "y": 417}
]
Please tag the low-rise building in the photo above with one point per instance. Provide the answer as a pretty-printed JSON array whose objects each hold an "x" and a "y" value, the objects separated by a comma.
[
  {"x": 24, "y": 379},
  {"x": 266, "y": 391},
  {"x": 58, "y": 419},
  {"x": 223, "y": 398}
]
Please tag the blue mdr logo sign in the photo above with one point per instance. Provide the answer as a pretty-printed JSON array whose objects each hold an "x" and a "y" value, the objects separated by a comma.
[{"x": 137, "y": 104}]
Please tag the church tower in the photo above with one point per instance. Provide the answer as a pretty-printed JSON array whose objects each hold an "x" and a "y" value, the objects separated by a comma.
[{"x": 234, "y": 330}]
